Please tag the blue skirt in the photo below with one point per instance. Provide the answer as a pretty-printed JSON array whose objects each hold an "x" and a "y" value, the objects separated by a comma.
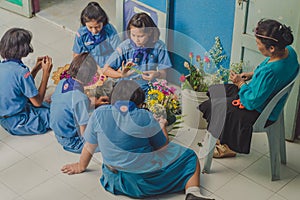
[
  {"x": 31, "y": 121},
  {"x": 169, "y": 179}
]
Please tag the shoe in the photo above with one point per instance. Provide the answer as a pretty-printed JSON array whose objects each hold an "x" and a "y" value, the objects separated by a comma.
[
  {"x": 190, "y": 196},
  {"x": 223, "y": 151}
]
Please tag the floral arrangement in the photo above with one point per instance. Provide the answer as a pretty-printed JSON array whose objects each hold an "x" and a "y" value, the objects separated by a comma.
[
  {"x": 62, "y": 72},
  {"x": 162, "y": 100},
  {"x": 195, "y": 79},
  {"x": 209, "y": 70}
]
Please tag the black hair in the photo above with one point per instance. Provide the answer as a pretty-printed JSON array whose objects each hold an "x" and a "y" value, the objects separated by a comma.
[
  {"x": 83, "y": 67},
  {"x": 93, "y": 11},
  {"x": 273, "y": 33},
  {"x": 15, "y": 43},
  {"x": 143, "y": 20},
  {"x": 128, "y": 90}
]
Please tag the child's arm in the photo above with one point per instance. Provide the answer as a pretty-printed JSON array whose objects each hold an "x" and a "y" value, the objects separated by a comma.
[
  {"x": 85, "y": 158},
  {"x": 47, "y": 67},
  {"x": 110, "y": 72},
  {"x": 37, "y": 67},
  {"x": 82, "y": 129}
]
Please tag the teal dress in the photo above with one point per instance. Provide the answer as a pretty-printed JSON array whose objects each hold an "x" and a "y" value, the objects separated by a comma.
[
  {"x": 234, "y": 126},
  {"x": 268, "y": 79}
]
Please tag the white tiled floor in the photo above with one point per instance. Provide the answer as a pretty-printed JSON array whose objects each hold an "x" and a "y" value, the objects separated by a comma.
[{"x": 30, "y": 166}]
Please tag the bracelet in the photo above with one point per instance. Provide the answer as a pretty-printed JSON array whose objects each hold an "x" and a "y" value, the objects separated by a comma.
[{"x": 240, "y": 84}]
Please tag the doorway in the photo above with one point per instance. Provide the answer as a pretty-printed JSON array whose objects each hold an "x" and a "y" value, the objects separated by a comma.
[
  {"x": 66, "y": 13},
  {"x": 22, "y": 7}
]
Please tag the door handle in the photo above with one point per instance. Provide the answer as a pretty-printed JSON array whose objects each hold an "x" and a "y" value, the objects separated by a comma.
[{"x": 241, "y": 1}]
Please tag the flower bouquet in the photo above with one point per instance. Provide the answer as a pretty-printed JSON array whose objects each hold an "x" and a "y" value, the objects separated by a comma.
[
  {"x": 162, "y": 101},
  {"x": 98, "y": 79}
]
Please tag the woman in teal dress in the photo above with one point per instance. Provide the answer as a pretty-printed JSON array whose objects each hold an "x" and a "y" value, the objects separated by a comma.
[{"x": 233, "y": 125}]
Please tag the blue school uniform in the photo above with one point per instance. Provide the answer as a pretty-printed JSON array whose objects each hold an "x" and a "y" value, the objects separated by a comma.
[
  {"x": 132, "y": 164},
  {"x": 100, "y": 46},
  {"x": 154, "y": 57},
  {"x": 68, "y": 110},
  {"x": 17, "y": 115}
]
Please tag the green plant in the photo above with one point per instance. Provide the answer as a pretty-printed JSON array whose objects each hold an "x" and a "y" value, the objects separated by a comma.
[{"x": 197, "y": 79}]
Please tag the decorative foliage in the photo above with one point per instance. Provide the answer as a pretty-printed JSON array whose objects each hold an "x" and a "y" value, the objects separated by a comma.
[
  {"x": 195, "y": 79},
  {"x": 209, "y": 70}
]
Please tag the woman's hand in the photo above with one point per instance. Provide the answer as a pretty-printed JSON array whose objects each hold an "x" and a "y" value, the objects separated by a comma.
[
  {"x": 236, "y": 79},
  {"x": 126, "y": 69},
  {"x": 246, "y": 75},
  {"x": 73, "y": 168}
]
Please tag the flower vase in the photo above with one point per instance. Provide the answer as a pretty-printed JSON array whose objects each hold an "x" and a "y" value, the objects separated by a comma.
[{"x": 192, "y": 116}]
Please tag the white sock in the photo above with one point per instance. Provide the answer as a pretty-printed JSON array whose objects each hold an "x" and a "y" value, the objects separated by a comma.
[{"x": 195, "y": 190}]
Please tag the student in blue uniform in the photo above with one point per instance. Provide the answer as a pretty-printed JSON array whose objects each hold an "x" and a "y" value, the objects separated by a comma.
[
  {"x": 143, "y": 57},
  {"x": 69, "y": 109},
  {"x": 138, "y": 160},
  {"x": 22, "y": 110},
  {"x": 96, "y": 35}
]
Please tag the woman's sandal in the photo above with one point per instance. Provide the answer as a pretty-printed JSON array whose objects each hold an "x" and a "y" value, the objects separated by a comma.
[{"x": 223, "y": 151}]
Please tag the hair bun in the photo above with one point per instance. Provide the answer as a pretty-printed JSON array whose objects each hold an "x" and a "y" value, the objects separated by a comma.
[{"x": 286, "y": 33}]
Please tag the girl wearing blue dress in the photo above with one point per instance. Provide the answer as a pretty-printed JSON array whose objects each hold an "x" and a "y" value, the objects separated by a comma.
[
  {"x": 138, "y": 159},
  {"x": 22, "y": 110},
  {"x": 142, "y": 57},
  {"x": 96, "y": 35},
  {"x": 69, "y": 109}
]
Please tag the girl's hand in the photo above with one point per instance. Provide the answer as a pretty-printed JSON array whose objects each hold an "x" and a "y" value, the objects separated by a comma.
[
  {"x": 38, "y": 64},
  {"x": 47, "y": 64},
  {"x": 150, "y": 75},
  {"x": 100, "y": 101},
  {"x": 161, "y": 120},
  {"x": 126, "y": 69},
  {"x": 73, "y": 168}
]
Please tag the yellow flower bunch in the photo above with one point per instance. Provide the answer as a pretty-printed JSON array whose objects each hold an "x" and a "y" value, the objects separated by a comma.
[{"x": 162, "y": 100}]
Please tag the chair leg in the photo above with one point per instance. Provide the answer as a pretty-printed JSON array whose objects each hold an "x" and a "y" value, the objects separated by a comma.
[
  {"x": 209, "y": 147},
  {"x": 273, "y": 133},
  {"x": 282, "y": 140}
]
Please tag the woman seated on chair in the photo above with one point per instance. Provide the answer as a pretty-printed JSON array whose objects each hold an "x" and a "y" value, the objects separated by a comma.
[{"x": 234, "y": 126}]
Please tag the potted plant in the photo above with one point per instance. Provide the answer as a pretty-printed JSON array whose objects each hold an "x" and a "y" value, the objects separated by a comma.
[{"x": 195, "y": 84}]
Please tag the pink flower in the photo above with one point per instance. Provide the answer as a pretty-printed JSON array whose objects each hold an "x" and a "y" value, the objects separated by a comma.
[
  {"x": 172, "y": 89},
  {"x": 102, "y": 77},
  {"x": 155, "y": 84},
  {"x": 206, "y": 59},
  {"x": 165, "y": 92},
  {"x": 191, "y": 55},
  {"x": 182, "y": 78},
  {"x": 198, "y": 58},
  {"x": 163, "y": 83}
]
